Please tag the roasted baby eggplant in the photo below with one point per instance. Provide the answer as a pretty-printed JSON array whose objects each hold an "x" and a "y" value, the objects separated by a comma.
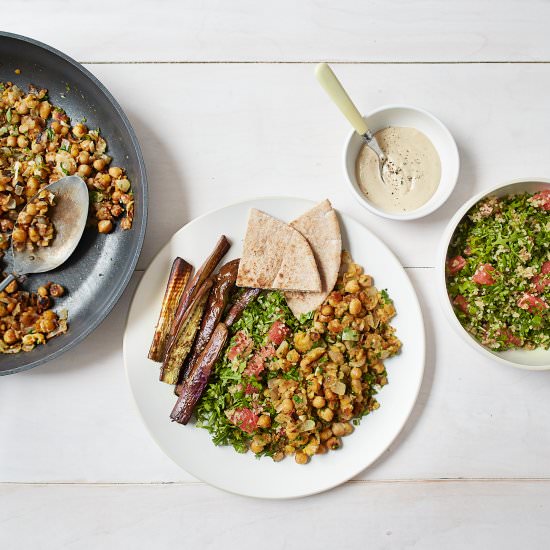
[
  {"x": 179, "y": 276},
  {"x": 203, "y": 273},
  {"x": 184, "y": 335},
  {"x": 195, "y": 383},
  {"x": 215, "y": 306}
]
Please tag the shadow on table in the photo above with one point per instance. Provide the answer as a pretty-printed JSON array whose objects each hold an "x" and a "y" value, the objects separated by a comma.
[
  {"x": 425, "y": 388},
  {"x": 462, "y": 192},
  {"x": 167, "y": 187}
]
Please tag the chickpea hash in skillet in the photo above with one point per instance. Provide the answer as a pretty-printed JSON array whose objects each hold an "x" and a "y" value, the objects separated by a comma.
[{"x": 39, "y": 145}]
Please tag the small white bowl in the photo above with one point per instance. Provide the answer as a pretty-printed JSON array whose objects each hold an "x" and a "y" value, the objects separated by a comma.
[
  {"x": 537, "y": 359},
  {"x": 434, "y": 129}
]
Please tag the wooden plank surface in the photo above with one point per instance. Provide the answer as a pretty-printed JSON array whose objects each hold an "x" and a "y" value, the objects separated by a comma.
[
  {"x": 383, "y": 515},
  {"x": 310, "y": 30}
]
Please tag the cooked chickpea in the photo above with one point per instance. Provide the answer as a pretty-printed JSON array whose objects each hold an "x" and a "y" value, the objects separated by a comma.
[
  {"x": 355, "y": 306},
  {"x": 99, "y": 164},
  {"x": 115, "y": 172},
  {"x": 287, "y": 406},
  {"x": 318, "y": 402},
  {"x": 365, "y": 280},
  {"x": 352, "y": 286},
  {"x": 335, "y": 326},
  {"x": 48, "y": 325},
  {"x": 11, "y": 141},
  {"x": 326, "y": 414},
  {"x": 12, "y": 287},
  {"x": 22, "y": 109},
  {"x": 338, "y": 429},
  {"x": 322, "y": 449},
  {"x": 327, "y": 310},
  {"x": 56, "y": 290},
  {"x": 37, "y": 147},
  {"x": 302, "y": 342},
  {"x": 19, "y": 235},
  {"x": 105, "y": 226},
  {"x": 10, "y": 337},
  {"x": 356, "y": 373},
  {"x": 301, "y": 458},
  {"x": 84, "y": 170},
  {"x": 83, "y": 157},
  {"x": 79, "y": 130},
  {"x": 44, "y": 109},
  {"x": 123, "y": 185},
  {"x": 356, "y": 386},
  {"x": 49, "y": 314},
  {"x": 42, "y": 291},
  {"x": 348, "y": 428},
  {"x": 256, "y": 448},
  {"x": 22, "y": 142},
  {"x": 336, "y": 356},
  {"x": 333, "y": 443},
  {"x": 56, "y": 126},
  {"x": 264, "y": 421}
]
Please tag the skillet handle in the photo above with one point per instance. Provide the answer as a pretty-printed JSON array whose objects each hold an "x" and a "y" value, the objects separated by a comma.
[{"x": 7, "y": 281}]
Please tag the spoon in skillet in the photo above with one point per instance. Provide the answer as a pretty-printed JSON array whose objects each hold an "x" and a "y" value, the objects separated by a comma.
[
  {"x": 69, "y": 216},
  {"x": 340, "y": 97}
]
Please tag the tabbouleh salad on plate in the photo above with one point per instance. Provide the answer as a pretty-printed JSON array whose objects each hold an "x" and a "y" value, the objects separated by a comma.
[
  {"x": 285, "y": 386},
  {"x": 498, "y": 271}
]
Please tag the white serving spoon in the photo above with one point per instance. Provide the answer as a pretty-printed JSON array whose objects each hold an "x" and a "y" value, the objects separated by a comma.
[
  {"x": 69, "y": 217},
  {"x": 335, "y": 90}
]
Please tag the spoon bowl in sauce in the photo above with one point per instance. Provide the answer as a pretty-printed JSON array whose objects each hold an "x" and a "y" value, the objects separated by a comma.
[{"x": 421, "y": 170}]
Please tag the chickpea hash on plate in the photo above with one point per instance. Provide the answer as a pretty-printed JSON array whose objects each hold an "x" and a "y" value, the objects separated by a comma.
[
  {"x": 39, "y": 145},
  {"x": 270, "y": 358}
]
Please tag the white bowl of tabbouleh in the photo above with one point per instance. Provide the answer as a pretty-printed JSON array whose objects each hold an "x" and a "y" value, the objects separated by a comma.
[{"x": 493, "y": 273}]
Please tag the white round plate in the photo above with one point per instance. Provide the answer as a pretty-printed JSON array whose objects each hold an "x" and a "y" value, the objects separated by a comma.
[{"x": 191, "y": 447}]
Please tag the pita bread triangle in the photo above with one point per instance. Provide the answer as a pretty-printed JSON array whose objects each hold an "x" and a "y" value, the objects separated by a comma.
[{"x": 276, "y": 256}]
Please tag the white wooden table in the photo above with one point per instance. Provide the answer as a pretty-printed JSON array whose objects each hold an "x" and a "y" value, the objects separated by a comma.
[{"x": 224, "y": 103}]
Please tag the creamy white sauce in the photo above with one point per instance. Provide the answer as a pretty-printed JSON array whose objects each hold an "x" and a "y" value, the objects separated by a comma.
[{"x": 412, "y": 171}]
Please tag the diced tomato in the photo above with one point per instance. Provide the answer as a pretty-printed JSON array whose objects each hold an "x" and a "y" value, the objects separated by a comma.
[
  {"x": 542, "y": 198},
  {"x": 542, "y": 280},
  {"x": 256, "y": 365},
  {"x": 278, "y": 332},
  {"x": 531, "y": 303},
  {"x": 244, "y": 418},
  {"x": 461, "y": 303},
  {"x": 250, "y": 389},
  {"x": 454, "y": 265},
  {"x": 510, "y": 337},
  {"x": 242, "y": 343},
  {"x": 483, "y": 275}
]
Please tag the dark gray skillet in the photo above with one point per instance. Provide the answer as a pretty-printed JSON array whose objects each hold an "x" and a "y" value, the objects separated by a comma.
[{"x": 101, "y": 266}]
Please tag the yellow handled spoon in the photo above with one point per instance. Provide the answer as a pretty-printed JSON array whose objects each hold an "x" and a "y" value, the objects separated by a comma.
[{"x": 336, "y": 92}]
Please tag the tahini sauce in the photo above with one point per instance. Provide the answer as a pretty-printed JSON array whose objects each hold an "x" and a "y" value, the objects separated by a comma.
[{"x": 411, "y": 173}]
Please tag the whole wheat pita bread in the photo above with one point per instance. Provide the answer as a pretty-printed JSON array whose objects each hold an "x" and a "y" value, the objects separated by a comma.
[
  {"x": 276, "y": 256},
  {"x": 321, "y": 229}
]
